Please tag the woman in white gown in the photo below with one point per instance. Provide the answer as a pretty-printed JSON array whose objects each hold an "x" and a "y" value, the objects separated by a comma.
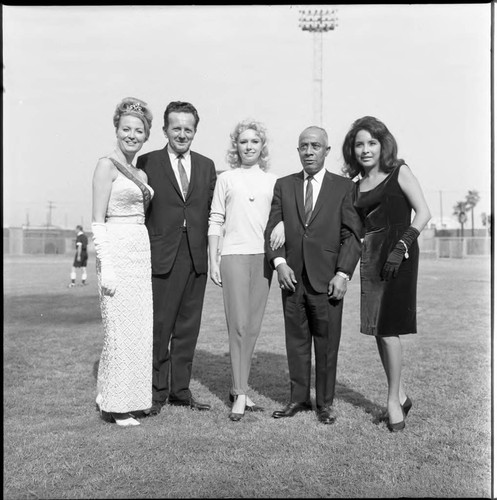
[{"x": 120, "y": 199}]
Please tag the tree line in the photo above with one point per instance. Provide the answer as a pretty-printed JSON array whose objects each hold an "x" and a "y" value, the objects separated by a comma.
[{"x": 461, "y": 209}]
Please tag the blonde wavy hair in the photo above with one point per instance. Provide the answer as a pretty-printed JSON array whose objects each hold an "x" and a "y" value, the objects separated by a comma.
[
  {"x": 232, "y": 156},
  {"x": 134, "y": 107}
]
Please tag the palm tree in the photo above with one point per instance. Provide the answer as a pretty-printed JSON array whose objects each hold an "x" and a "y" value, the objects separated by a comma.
[
  {"x": 472, "y": 198},
  {"x": 460, "y": 210},
  {"x": 486, "y": 220}
]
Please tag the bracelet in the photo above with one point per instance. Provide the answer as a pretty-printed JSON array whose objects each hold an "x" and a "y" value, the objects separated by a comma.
[
  {"x": 406, "y": 255},
  {"x": 343, "y": 275}
]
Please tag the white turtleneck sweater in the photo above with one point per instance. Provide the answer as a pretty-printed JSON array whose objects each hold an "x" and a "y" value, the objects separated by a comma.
[{"x": 241, "y": 203}]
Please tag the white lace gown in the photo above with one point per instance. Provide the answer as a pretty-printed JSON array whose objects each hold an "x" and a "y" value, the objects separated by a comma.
[{"x": 125, "y": 370}]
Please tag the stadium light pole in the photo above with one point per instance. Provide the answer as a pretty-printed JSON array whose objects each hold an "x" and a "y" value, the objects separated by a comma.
[{"x": 318, "y": 20}]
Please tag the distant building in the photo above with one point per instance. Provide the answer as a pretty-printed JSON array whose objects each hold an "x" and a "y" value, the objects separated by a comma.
[
  {"x": 38, "y": 240},
  {"x": 446, "y": 223}
]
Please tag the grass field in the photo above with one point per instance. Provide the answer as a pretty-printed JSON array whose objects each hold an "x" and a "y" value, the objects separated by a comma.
[{"x": 56, "y": 446}]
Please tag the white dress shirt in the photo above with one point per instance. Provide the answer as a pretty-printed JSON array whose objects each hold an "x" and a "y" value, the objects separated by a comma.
[
  {"x": 317, "y": 182},
  {"x": 187, "y": 163}
]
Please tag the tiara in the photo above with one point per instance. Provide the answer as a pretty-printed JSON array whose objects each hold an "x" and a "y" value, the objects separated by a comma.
[{"x": 137, "y": 108}]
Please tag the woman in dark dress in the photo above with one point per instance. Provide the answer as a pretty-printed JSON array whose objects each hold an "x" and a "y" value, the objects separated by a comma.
[{"x": 387, "y": 192}]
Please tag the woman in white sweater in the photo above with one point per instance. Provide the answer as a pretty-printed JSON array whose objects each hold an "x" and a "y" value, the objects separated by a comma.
[{"x": 239, "y": 213}]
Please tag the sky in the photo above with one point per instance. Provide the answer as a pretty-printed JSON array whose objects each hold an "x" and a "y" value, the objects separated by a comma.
[{"x": 424, "y": 70}]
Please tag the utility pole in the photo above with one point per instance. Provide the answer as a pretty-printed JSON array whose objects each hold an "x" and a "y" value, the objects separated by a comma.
[
  {"x": 441, "y": 211},
  {"x": 51, "y": 206},
  {"x": 318, "y": 20}
]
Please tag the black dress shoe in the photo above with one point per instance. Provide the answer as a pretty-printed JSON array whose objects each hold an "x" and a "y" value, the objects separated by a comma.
[
  {"x": 325, "y": 415},
  {"x": 194, "y": 405},
  {"x": 154, "y": 409},
  {"x": 291, "y": 409}
]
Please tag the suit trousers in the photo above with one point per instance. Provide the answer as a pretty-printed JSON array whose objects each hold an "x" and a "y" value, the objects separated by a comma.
[
  {"x": 311, "y": 316},
  {"x": 246, "y": 282},
  {"x": 178, "y": 297}
]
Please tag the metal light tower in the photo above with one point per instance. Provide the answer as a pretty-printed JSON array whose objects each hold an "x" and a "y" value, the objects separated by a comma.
[{"x": 318, "y": 20}]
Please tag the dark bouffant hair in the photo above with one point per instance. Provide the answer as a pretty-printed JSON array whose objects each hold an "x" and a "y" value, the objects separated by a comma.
[{"x": 378, "y": 130}]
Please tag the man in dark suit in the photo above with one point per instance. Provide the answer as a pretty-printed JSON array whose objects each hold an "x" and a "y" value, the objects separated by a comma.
[
  {"x": 177, "y": 221},
  {"x": 322, "y": 247}
]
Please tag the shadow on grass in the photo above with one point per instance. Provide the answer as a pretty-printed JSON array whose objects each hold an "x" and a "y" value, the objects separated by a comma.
[
  {"x": 95, "y": 369},
  {"x": 359, "y": 401},
  {"x": 268, "y": 377}
]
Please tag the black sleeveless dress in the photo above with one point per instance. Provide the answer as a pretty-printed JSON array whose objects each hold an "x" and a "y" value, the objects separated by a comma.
[{"x": 387, "y": 307}]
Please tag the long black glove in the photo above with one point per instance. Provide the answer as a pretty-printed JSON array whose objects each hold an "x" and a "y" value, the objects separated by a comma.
[{"x": 396, "y": 256}]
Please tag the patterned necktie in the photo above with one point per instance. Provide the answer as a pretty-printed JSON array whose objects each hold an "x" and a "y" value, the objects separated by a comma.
[
  {"x": 183, "y": 177},
  {"x": 308, "y": 200}
]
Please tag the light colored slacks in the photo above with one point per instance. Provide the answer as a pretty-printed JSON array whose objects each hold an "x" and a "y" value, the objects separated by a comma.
[{"x": 246, "y": 282}]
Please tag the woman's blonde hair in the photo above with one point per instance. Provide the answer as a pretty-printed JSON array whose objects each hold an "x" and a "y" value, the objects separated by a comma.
[
  {"x": 232, "y": 156},
  {"x": 134, "y": 107}
]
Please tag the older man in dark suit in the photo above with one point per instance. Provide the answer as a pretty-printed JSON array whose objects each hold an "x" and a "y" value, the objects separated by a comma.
[
  {"x": 177, "y": 220},
  {"x": 322, "y": 247}
]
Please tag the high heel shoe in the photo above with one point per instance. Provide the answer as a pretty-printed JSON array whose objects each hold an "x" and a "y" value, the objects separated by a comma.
[
  {"x": 398, "y": 426},
  {"x": 252, "y": 407},
  {"x": 124, "y": 419},
  {"x": 236, "y": 417},
  {"x": 406, "y": 406}
]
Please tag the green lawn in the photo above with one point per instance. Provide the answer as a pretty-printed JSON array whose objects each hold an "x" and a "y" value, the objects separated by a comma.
[{"x": 56, "y": 446}]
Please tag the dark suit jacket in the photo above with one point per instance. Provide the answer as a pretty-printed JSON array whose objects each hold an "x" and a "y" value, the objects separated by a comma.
[
  {"x": 330, "y": 243},
  {"x": 168, "y": 210}
]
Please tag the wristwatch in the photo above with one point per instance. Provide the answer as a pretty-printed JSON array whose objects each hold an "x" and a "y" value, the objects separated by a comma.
[{"x": 343, "y": 275}]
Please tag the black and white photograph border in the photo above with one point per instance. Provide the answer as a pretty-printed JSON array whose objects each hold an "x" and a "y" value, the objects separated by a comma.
[{"x": 423, "y": 69}]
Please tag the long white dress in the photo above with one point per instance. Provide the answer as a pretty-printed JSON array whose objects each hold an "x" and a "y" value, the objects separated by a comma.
[{"x": 125, "y": 370}]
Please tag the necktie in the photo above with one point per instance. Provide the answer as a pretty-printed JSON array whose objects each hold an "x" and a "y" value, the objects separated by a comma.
[
  {"x": 308, "y": 200},
  {"x": 183, "y": 177}
]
